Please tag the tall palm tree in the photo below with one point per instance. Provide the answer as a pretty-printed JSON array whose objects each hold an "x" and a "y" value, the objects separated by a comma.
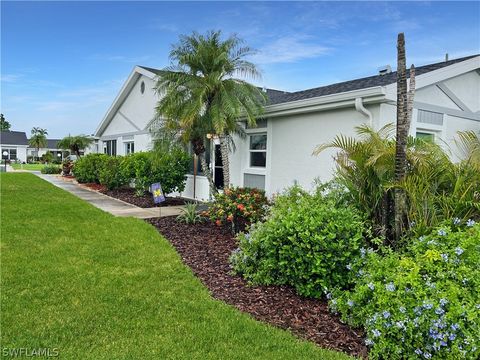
[
  {"x": 404, "y": 114},
  {"x": 202, "y": 92},
  {"x": 75, "y": 143},
  {"x": 38, "y": 139}
]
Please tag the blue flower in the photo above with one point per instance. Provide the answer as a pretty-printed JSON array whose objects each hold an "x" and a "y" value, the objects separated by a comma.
[
  {"x": 444, "y": 257},
  {"x": 452, "y": 337},
  {"x": 418, "y": 352},
  {"x": 443, "y": 343},
  {"x": 386, "y": 314},
  {"x": 427, "y": 305},
  {"x": 456, "y": 221},
  {"x": 400, "y": 325},
  {"x": 439, "y": 311},
  {"x": 376, "y": 333},
  {"x": 329, "y": 296},
  {"x": 421, "y": 238},
  {"x": 443, "y": 302},
  {"x": 363, "y": 251},
  {"x": 371, "y": 286},
  {"x": 349, "y": 267},
  {"x": 350, "y": 303},
  {"x": 454, "y": 327},
  {"x": 442, "y": 232},
  {"x": 402, "y": 309},
  {"x": 390, "y": 286},
  {"x": 427, "y": 355},
  {"x": 470, "y": 222},
  {"x": 369, "y": 342},
  {"x": 458, "y": 251}
]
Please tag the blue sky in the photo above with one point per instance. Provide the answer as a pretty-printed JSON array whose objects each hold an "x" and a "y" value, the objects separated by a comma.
[{"x": 62, "y": 63}]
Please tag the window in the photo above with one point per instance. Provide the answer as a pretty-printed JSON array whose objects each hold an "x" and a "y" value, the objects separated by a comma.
[
  {"x": 258, "y": 150},
  {"x": 12, "y": 154},
  {"x": 129, "y": 148},
  {"x": 110, "y": 147},
  {"x": 425, "y": 136},
  {"x": 142, "y": 87}
]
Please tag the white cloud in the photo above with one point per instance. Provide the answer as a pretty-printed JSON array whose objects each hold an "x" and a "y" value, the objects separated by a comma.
[
  {"x": 289, "y": 49},
  {"x": 11, "y": 78}
]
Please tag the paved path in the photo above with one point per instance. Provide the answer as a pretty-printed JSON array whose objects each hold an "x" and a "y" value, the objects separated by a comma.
[{"x": 106, "y": 203}]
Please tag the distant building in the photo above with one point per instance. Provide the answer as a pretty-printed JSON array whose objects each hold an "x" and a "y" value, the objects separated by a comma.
[{"x": 15, "y": 143}]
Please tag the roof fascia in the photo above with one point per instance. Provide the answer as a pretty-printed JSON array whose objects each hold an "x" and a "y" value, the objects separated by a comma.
[{"x": 326, "y": 102}]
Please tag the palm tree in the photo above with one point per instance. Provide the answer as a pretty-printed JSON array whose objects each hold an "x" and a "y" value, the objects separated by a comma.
[
  {"x": 469, "y": 144},
  {"x": 75, "y": 143},
  {"x": 38, "y": 139},
  {"x": 404, "y": 114},
  {"x": 203, "y": 94}
]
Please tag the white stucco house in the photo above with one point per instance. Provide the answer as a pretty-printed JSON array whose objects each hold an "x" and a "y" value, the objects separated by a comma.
[
  {"x": 14, "y": 144},
  {"x": 279, "y": 151}
]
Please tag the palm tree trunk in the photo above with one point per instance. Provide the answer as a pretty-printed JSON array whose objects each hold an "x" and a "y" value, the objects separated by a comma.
[
  {"x": 208, "y": 174},
  {"x": 225, "y": 160},
  {"x": 401, "y": 136}
]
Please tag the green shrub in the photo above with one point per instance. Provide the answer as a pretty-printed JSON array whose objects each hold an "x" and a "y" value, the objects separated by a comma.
[
  {"x": 238, "y": 206},
  {"x": 307, "y": 241},
  {"x": 51, "y": 169},
  {"x": 145, "y": 168},
  {"x": 423, "y": 302},
  {"x": 87, "y": 168},
  {"x": 109, "y": 173}
]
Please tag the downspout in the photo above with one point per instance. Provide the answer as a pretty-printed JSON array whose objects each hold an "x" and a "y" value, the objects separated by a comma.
[{"x": 361, "y": 109}]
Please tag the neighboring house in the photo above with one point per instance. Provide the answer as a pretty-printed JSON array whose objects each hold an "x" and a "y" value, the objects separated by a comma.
[
  {"x": 278, "y": 152},
  {"x": 15, "y": 143},
  {"x": 52, "y": 147}
]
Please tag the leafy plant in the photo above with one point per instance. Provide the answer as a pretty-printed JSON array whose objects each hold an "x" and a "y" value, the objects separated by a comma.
[
  {"x": 75, "y": 143},
  {"x": 87, "y": 168},
  {"x": 109, "y": 173},
  {"x": 306, "y": 241},
  {"x": 190, "y": 214},
  {"x": 51, "y": 169},
  {"x": 238, "y": 206},
  {"x": 422, "y": 302}
]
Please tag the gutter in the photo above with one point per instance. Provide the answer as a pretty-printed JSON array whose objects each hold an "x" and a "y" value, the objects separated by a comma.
[{"x": 362, "y": 110}]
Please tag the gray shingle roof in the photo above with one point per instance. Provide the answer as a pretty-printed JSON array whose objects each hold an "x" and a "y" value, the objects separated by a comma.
[
  {"x": 13, "y": 138},
  {"x": 279, "y": 97},
  {"x": 52, "y": 143}
]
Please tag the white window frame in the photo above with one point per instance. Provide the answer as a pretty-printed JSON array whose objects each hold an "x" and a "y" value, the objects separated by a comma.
[
  {"x": 250, "y": 151},
  {"x": 126, "y": 147}
]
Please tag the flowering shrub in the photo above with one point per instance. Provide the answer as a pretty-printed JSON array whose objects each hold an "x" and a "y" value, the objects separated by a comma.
[
  {"x": 307, "y": 242},
  {"x": 422, "y": 303},
  {"x": 238, "y": 206}
]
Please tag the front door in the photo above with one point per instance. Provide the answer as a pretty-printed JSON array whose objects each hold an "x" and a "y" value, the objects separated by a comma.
[{"x": 218, "y": 169}]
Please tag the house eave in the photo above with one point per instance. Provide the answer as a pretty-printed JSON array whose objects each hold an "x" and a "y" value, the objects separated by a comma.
[{"x": 328, "y": 102}]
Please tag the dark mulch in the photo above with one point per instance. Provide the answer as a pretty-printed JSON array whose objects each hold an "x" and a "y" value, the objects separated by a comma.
[
  {"x": 145, "y": 201},
  {"x": 205, "y": 248}
]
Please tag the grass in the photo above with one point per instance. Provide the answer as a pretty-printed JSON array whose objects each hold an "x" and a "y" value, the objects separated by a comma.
[
  {"x": 28, "y": 166},
  {"x": 95, "y": 286}
]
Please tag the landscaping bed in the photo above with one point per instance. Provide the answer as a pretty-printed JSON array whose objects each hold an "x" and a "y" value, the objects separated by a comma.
[
  {"x": 206, "y": 249},
  {"x": 146, "y": 201}
]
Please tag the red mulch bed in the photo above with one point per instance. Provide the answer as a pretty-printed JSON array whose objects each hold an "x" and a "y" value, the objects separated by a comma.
[
  {"x": 205, "y": 248},
  {"x": 145, "y": 201},
  {"x": 95, "y": 187}
]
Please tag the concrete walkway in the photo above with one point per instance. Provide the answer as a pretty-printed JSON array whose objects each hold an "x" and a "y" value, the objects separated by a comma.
[{"x": 106, "y": 203}]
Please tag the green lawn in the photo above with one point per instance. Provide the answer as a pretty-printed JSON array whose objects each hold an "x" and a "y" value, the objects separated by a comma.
[
  {"x": 28, "y": 166},
  {"x": 99, "y": 287}
]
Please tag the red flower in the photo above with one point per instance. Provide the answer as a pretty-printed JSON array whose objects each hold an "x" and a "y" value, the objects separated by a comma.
[
  {"x": 230, "y": 217},
  {"x": 218, "y": 222},
  {"x": 240, "y": 207}
]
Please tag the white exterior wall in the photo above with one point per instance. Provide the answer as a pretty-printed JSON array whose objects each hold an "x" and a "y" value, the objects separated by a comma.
[{"x": 21, "y": 151}]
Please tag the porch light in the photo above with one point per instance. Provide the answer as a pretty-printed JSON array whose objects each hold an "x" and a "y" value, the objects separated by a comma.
[{"x": 5, "y": 154}]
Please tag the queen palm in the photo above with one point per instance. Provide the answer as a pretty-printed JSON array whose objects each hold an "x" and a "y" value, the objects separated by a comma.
[
  {"x": 38, "y": 139},
  {"x": 202, "y": 92}
]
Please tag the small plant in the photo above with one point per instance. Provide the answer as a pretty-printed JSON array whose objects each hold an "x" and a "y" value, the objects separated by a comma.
[
  {"x": 51, "y": 169},
  {"x": 190, "y": 214},
  {"x": 239, "y": 207},
  {"x": 67, "y": 167}
]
